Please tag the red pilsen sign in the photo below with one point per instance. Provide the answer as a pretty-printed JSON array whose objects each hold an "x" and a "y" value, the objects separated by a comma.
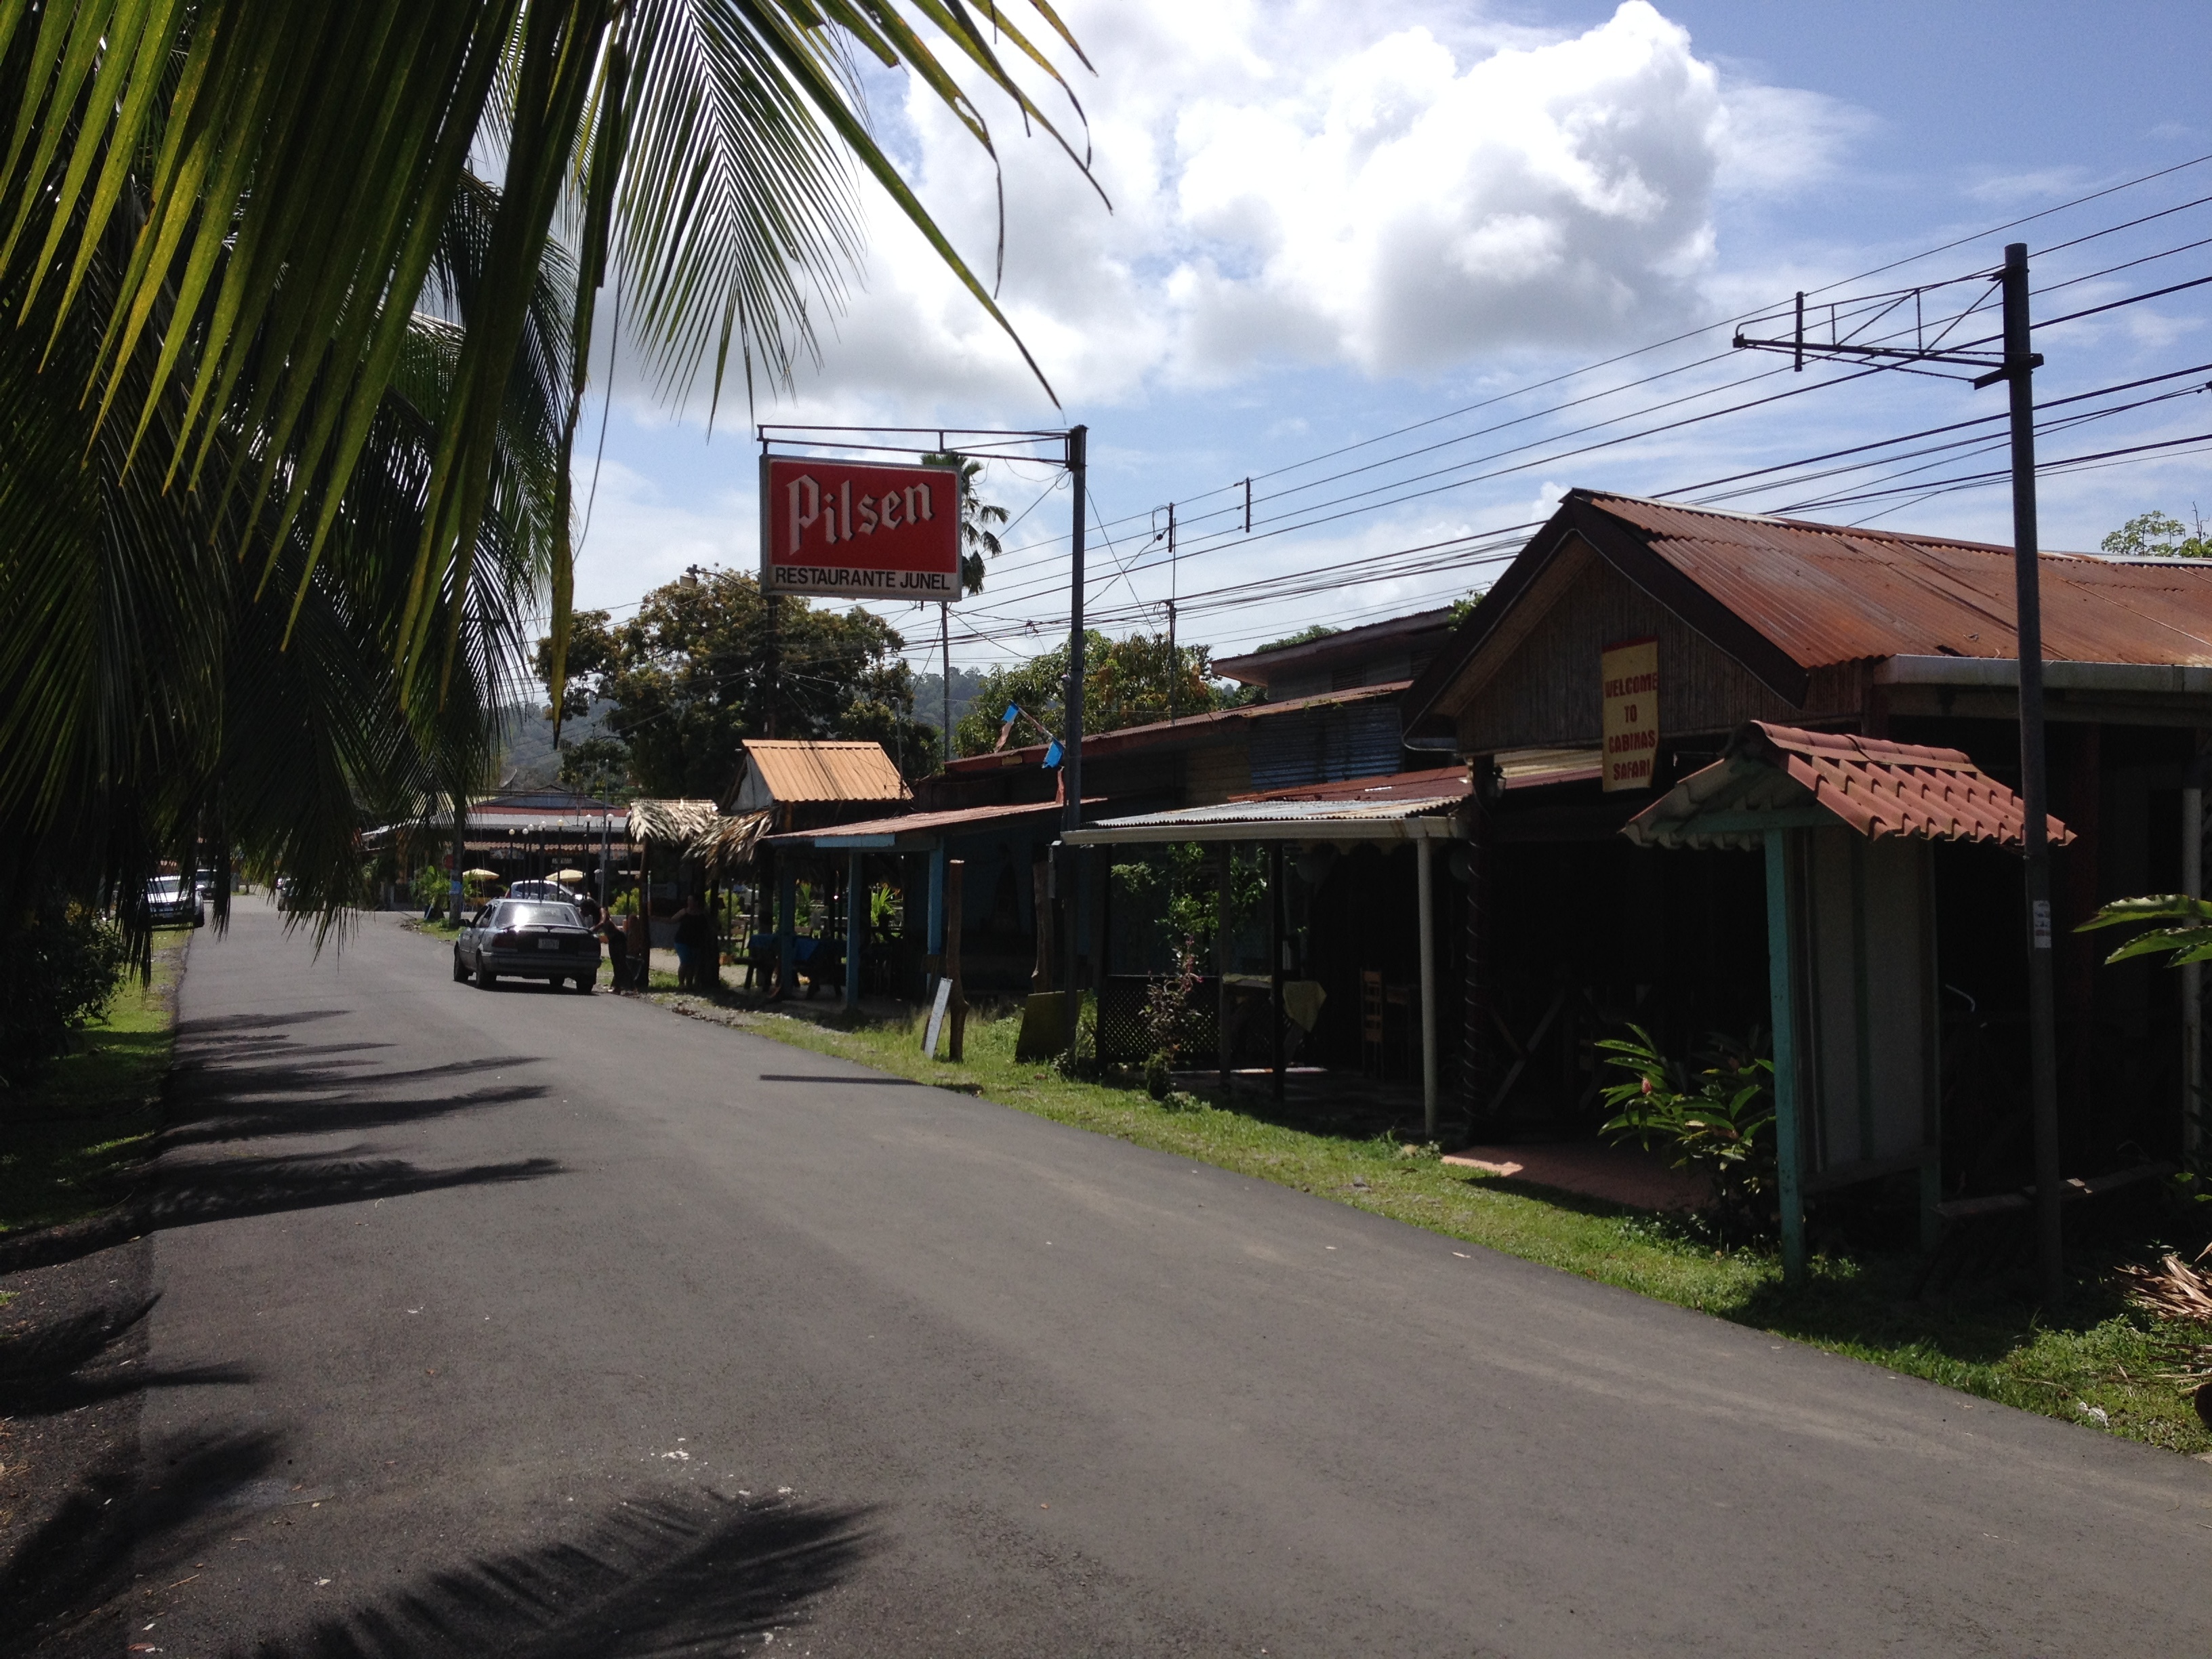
[{"x": 859, "y": 530}]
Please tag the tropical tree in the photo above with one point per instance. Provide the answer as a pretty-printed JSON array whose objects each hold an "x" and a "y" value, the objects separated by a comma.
[
  {"x": 1125, "y": 682},
  {"x": 167, "y": 700},
  {"x": 2156, "y": 534},
  {"x": 693, "y": 674},
  {"x": 283, "y": 471},
  {"x": 978, "y": 541}
]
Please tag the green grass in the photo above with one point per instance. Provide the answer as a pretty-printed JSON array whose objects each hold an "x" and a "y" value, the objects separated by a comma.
[
  {"x": 2092, "y": 1352},
  {"x": 67, "y": 1139}
]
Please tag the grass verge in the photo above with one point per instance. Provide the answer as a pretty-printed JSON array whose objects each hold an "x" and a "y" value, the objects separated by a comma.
[
  {"x": 66, "y": 1140},
  {"x": 2094, "y": 1360}
]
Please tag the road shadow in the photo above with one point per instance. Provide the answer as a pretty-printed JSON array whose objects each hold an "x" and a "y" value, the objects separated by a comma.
[
  {"x": 216, "y": 1027},
  {"x": 192, "y": 1192},
  {"x": 57, "y": 1365},
  {"x": 62, "y": 1584},
  {"x": 213, "y": 1125},
  {"x": 694, "y": 1573}
]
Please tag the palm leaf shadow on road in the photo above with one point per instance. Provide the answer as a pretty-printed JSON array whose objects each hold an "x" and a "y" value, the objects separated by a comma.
[
  {"x": 64, "y": 1585},
  {"x": 53, "y": 1367},
  {"x": 694, "y": 1573}
]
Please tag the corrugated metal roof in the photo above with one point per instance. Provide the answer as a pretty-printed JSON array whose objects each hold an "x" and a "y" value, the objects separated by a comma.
[
  {"x": 1828, "y": 593},
  {"x": 1189, "y": 727},
  {"x": 1532, "y": 768},
  {"x": 798, "y": 770},
  {"x": 1279, "y": 820},
  {"x": 926, "y": 823},
  {"x": 1876, "y": 788},
  {"x": 1449, "y": 783}
]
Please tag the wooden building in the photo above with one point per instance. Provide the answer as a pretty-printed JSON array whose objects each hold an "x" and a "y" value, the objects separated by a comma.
[{"x": 1573, "y": 930}]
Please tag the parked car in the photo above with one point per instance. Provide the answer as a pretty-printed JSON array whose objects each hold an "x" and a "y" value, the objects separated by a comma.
[
  {"x": 527, "y": 939},
  {"x": 171, "y": 902},
  {"x": 552, "y": 890},
  {"x": 203, "y": 883}
]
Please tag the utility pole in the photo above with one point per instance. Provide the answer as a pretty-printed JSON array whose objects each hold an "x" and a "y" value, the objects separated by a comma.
[
  {"x": 2018, "y": 371},
  {"x": 1175, "y": 663},
  {"x": 1071, "y": 765},
  {"x": 2016, "y": 365}
]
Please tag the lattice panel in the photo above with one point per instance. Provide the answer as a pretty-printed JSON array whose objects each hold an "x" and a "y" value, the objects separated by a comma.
[{"x": 1123, "y": 1039}]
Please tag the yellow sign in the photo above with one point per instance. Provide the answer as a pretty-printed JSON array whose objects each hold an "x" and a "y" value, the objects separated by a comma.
[{"x": 1630, "y": 673}]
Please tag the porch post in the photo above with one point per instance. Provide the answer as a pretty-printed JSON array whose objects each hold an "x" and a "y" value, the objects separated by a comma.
[
  {"x": 2192, "y": 984},
  {"x": 1425, "y": 861},
  {"x": 856, "y": 927},
  {"x": 787, "y": 941},
  {"x": 937, "y": 907},
  {"x": 1275, "y": 964},
  {"x": 1782, "y": 1003},
  {"x": 1225, "y": 856}
]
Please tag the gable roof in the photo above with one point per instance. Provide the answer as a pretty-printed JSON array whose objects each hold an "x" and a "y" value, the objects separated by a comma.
[
  {"x": 1420, "y": 629},
  {"x": 1216, "y": 725},
  {"x": 781, "y": 771},
  {"x": 1786, "y": 595},
  {"x": 1876, "y": 788}
]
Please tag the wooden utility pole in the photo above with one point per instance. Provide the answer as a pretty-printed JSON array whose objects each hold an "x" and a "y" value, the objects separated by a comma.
[
  {"x": 2018, "y": 371},
  {"x": 1071, "y": 765}
]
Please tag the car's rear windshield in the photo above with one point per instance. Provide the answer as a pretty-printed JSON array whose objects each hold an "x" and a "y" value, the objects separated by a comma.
[{"x": 539, "y": 915}]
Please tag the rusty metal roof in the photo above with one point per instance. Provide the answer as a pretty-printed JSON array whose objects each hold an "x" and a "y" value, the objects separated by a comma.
[
  {"x": 1448, "y": 783},
  {"x": 1787, "y": 596},
  {"x": 1190, "y": 728},
  {"x": 1828, "y": 593},
  {"x": 788, "y": 770},
  {"x": 1875, "y": 788},
  {"x": 1333, "y": 821},
  {"x": 914, "y": 827}
]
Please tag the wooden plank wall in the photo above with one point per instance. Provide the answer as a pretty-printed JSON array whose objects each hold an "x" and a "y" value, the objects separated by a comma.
[{"x": 1545, "y": 691}]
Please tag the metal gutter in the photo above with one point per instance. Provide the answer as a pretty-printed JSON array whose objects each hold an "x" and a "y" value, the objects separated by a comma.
[{"x": 2003, "y": 673}]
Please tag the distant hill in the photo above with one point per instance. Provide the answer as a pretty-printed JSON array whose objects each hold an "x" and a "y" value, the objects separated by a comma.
[
  {"x": 928, "y": 695},
  {"x": 529, "y": 759}
]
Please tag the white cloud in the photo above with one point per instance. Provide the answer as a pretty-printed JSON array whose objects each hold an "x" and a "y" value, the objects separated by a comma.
[{"x": 1304, "y": 183}]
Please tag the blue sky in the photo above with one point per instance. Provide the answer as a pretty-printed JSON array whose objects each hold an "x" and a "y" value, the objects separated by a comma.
[{"x": 1331, "y": 224}]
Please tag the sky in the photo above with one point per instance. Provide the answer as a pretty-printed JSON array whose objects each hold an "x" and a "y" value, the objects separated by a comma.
[{"x": 1416, "y": 269}]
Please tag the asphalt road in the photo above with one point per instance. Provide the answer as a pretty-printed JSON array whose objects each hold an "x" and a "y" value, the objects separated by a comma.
[{"x": 562, "y": 1326}]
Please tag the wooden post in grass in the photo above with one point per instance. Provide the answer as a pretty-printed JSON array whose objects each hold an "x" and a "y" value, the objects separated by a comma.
[
  {"x": 954, "y": 869},
  {"x": 1224, "y": 855}
]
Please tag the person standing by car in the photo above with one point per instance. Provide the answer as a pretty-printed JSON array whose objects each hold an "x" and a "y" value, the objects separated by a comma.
[
  {"x": 695, "y": 946},
  {"x": 640, "y": 931},
  {"x": 610, "y": 928}
]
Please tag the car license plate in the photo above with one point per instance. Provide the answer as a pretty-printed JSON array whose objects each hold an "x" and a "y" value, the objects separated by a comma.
[{"x": 549, "y": 944}]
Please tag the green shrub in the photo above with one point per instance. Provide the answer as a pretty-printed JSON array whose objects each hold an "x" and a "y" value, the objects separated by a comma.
[
  {"x": 59, "y": 967},
  {"x": 1717, "y": 1119}
]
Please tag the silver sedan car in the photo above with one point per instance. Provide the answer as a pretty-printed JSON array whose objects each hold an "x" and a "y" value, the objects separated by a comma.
[{"x": 527, "y": 939}]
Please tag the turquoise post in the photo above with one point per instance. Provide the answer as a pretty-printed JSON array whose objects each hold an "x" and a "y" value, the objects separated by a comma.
[
  {"x": 856, "y": 927},
  {"x": 1782, "y": 1001}
]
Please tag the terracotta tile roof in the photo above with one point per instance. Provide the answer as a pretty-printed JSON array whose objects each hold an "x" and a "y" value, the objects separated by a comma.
[
  {"x": 797, "y": 771},
  {"x": 1877, "y": 788}
]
